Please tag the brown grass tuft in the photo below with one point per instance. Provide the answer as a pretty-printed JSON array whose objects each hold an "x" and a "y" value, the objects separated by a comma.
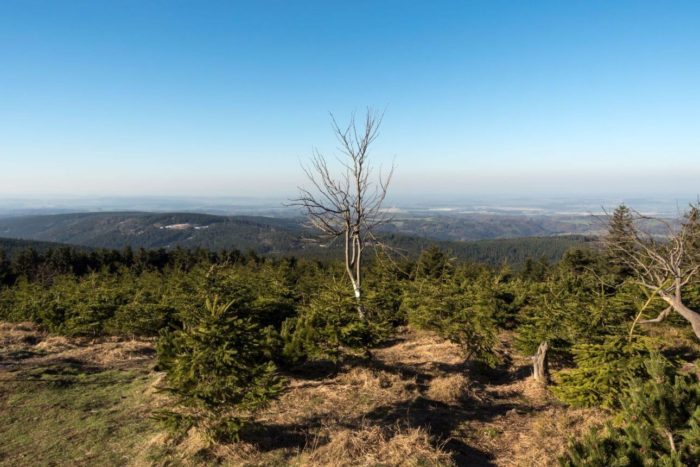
[
  {"x": 452, "y": 389},
  {"x": 423, "y": 350},
  {"x": 535, "y": 392},
  {"x": 25, "y": 326},
  {"x": 14, "y": 335},
  {"x": 549, "y": 433},
  {"x": 53, "y": 344},
  {"x": 108, "y": 353},
  {"x": 372, "y": 445},
  {"x": 357, "y": 390}
]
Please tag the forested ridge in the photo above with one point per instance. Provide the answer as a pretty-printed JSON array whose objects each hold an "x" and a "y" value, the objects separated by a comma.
[{"x": 501, "y": 239}]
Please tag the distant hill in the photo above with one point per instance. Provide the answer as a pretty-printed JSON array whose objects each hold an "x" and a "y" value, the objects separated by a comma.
[
  {"x": 480, "y": 226},
  {"x": 266, "y": 235},
  {"x": 154, "y": 230}
]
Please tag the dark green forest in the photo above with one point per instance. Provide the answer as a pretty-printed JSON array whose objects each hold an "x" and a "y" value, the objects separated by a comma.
[
  {"x": 515, "y": 252},
  {"x": 494, "y": 240}
]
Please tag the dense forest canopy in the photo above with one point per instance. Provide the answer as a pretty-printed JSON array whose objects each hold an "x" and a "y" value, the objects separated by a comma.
[{"x": 514, "y": 251}]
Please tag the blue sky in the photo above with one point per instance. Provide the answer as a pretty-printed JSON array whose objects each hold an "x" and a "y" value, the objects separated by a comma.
[{"x": 224, "y": 98}]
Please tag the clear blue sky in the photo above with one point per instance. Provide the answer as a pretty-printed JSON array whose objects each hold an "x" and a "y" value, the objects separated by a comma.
[{"x": 224, "y": 98}]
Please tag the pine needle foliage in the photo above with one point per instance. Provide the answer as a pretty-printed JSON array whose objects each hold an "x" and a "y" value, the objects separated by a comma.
[
  {"x": 658, "y": 423},
  {"x": 433, "y": 263},
  {"x": 620, "y": 232},
  {"x": 329, "y": 327},
  {"x": 456, "y": 311},
  {"x": 572, "y": 308},
  {"x": 601, "y": 371},
  {"x": 218, "y": 368}
]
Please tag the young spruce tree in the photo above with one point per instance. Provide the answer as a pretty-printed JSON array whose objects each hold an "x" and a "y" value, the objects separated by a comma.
[
  {"x": 219, "y": 369},
  {"x": 620, "y": 232},
  {"x": 658, "y": 424}
]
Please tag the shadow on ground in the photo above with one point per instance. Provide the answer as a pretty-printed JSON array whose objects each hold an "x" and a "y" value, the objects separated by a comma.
[{"x": 446, "y": 423}]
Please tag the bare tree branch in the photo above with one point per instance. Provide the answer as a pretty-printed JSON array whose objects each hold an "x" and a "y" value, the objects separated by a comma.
[
  {"x": 348, "y": 205},
  {"x": 665, "y": 263},
  {"x": 659, "y": 318}
]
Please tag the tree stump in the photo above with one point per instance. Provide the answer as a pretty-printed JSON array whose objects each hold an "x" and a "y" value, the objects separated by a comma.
[{"x": 540, "y": 367}]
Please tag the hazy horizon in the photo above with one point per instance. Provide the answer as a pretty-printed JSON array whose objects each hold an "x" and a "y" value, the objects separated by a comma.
[{"x": 422, "y": 205}]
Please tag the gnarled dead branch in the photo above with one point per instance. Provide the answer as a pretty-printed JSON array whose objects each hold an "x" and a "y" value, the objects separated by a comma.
[{"x": 665, "y": 263}]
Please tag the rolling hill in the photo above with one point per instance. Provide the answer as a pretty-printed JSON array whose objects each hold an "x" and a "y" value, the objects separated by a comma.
[
  {"x": 148, "y": 230},
  {"x": 266, "y": 235}
]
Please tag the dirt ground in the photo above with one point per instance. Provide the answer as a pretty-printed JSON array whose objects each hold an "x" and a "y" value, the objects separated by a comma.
[{"x": 414, "y": 403}]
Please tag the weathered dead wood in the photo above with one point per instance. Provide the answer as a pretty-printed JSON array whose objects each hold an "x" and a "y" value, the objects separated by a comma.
[{"x": 540, "y": 364}]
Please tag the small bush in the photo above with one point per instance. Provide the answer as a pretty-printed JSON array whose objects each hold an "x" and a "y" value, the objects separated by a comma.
[
  {"x": 219, "y": 369},
  {"x": 141, "y": 319},
  {"x": 574, "y": 308},
  {"x": 450, "y": 310},
  {"x": 331, "y": 324}
]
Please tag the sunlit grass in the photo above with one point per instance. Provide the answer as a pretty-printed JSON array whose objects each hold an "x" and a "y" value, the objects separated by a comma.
[{"x": 63, "y": 415}]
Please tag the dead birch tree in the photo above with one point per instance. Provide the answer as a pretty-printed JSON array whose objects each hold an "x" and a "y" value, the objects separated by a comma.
[
  {"x": 663, "y": 264},
  {"x": 348, "y": 205}
]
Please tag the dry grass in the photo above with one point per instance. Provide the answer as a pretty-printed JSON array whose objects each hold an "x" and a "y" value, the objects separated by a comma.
[
  {"x": 354, "y": 391},
  {"x": 18, "y": 335},
  {"x": 451, "y": 389},
  {"x": 545, "y": 438},
  {"x": 415, "y": 403},
  {"x": 55, "y": 344},
  {"x": 536, "y": 430},
  {"x": 367, "y": 445},
  {"x": 424, "y": 351},
  {"x": 114, "y": 353},
  {"x": 106, "y": 353},
  {"x": 373, "y": 445}
]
